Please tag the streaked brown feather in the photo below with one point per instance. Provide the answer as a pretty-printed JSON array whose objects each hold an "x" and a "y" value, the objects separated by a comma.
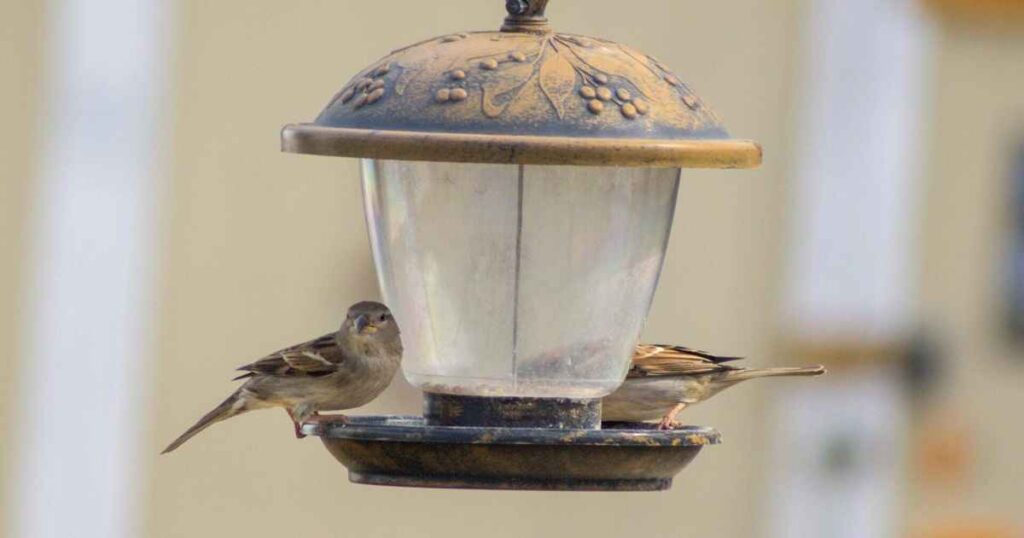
[
  {"x": 314, "y": 358},
  {"x": 660, "y": 360},
  {"x": 645, "y": 350}
]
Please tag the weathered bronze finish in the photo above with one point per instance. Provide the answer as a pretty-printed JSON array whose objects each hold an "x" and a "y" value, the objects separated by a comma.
[
  {"x": 402, "y": 451},
  {"x": 524, "y": 95},
  {"x": 505, "y": 149},
  {"x": 557, "y": 413}
]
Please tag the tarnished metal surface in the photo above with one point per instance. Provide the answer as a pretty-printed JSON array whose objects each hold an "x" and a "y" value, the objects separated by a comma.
[
  {"x": 526, "y": 83},
  {"x": 557, "y": 413},
  {"x": 403, "y": 451},
  {"x": 503, "y": 149},
  {"x": 640, "y": 484}
]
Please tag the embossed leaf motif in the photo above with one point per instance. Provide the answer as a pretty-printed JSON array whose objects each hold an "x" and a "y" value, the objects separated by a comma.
[
  {"x": 613, "y": 62},
  {"x": 496, "y": 71},
  {"x": 557, "y": 79},
  {"x": 500, "y": 92}
]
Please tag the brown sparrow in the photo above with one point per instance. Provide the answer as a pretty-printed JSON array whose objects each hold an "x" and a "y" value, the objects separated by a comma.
[
  {"x": 664, "y": 380},
  {"x": 344, "y": 369}
]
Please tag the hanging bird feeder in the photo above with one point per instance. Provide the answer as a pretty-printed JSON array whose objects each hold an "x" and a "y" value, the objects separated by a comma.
[{"x": 519, "y": 188}]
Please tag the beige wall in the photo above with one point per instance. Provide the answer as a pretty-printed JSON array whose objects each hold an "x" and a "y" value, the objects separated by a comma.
[
  {"x": 978, "y": 121},
  {"x": 20, "y": 55},
  {"x": 265, "y": 249}
]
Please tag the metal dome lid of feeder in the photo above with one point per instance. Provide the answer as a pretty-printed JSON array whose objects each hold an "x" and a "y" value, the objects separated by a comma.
[{"x": 523, "y": 95}]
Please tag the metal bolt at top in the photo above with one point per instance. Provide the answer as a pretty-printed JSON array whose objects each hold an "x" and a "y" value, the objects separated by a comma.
[
  {"x": 516, "y": 7},
  {"x": 525, "y": 16},
  {"x": 526, "y": 8}
]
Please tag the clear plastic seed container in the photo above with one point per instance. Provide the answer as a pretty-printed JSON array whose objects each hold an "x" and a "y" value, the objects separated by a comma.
[{"x": 509, "y": 280}]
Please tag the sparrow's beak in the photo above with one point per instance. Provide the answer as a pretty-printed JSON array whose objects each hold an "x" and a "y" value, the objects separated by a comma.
[{"x": 363, "y": 325}]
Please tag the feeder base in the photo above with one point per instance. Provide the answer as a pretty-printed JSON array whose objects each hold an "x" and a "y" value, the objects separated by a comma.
[{"x": 404, "y": 451}]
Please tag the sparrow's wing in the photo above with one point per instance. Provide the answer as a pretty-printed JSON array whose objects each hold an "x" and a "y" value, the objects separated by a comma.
[
  {"x": 317, "y": 357},
  {"x": 682, "y": 352},
  {"x": 656, "y": 360}
]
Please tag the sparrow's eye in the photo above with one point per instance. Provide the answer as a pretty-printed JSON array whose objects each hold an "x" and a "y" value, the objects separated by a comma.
[{"x": 384, "y": 317}]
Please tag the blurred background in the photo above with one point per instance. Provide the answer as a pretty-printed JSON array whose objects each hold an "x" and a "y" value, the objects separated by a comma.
[{"x": 154, "y": 238}]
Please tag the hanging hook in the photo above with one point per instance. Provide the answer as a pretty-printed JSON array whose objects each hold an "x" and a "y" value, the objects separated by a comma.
[
  {"x": 526, "y": 8},
  {"x": 525, "y": 16},
  {"x": 516, "y": 8}
]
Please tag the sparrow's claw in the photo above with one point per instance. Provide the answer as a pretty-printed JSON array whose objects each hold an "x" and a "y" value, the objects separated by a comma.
[
  {"x": 297, "y": 424},
  {"x": 323, "y": 419},
  {"x": 668, "y": 424}
]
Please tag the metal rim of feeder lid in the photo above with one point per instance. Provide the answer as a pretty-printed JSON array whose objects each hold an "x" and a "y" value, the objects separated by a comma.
[{"x": 522, "y": 95}]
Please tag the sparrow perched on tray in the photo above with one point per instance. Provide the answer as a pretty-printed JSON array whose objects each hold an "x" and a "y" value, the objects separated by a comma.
[
  {"x": 664, "y": 380},
  {"x": 340, "y": 370}
]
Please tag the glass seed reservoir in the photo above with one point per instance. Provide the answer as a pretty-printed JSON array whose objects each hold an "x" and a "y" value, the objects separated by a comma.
[{"x": 503, "y": 276}]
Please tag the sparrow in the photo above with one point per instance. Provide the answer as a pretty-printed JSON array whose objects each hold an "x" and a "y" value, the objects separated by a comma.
[
  {"x": 341, "y": 370},
  {"x": 664, "y": 380}
]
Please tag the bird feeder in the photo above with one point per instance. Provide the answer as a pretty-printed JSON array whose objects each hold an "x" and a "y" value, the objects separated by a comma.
[{"x": 519, "y": 188}]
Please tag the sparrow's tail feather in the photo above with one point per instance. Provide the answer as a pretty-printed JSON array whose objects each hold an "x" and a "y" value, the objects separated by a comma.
[
  {"x": 753, "y": 373},
  {"x": 234, "y": 405}
]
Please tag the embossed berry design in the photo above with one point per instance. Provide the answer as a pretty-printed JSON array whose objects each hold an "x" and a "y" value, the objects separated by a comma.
[{"x": 573, "y": 74}]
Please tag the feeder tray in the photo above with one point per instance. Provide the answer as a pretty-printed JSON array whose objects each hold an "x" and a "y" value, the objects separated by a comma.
[{"x": 405, "y": 451}]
